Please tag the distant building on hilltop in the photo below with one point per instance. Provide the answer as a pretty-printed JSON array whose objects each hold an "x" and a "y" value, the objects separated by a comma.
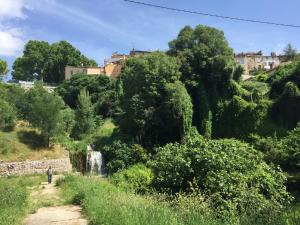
[
  {"x": 256, "y": 60},
  {"x": 112, "y": 66},
  {"x": 72, "y": 70}
]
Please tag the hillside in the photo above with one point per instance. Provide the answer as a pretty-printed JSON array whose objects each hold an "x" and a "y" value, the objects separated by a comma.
[{"x": 24, "y": 143}]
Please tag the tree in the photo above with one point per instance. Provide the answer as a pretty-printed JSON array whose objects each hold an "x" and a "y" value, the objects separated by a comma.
[
  {"x": 42, "y": 61},
  {"x": 290, "y": 53},
  {"x": 155, "y": 104},
  {"x": 207, "y": 67},
  {"x": 66, "y": 122},
  {"x": 43, "y": 110},
  {"x": 3, "y": 68},
  {"x": 84, "y": 116},
  {"x": 101, "y": 88},
  {"x": 8, "y": 115}
]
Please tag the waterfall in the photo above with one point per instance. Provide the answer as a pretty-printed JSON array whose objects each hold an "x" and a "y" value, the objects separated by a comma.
[{"x": 94, "y": 162}]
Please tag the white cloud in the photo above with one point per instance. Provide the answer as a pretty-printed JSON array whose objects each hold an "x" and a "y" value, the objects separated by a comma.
[
  {"x": 11, "y": 9},
  {"x": 11, "y": 37},
  {"x": 11, "y": 43}
]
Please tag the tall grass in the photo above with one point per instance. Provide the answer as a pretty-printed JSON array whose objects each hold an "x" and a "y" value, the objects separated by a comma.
[
  {"x": 14, "y": 195},
  {"x": 104, "y": 203}
]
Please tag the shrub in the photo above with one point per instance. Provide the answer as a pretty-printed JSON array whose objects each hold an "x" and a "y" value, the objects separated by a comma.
[
  {"x": 224, "y": 168},
  {"x": 120, "y": 155},
  {"x": 137, "y": 178},
  {"x": 284, "y": 152},
  {"x": 8, "y": 115}
]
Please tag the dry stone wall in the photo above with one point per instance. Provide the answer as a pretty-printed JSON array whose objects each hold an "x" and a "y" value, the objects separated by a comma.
[{"x": 35, "y": 167}]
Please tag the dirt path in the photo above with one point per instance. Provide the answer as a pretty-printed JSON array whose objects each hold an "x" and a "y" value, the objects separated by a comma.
[{"x": 47, "y": 195}]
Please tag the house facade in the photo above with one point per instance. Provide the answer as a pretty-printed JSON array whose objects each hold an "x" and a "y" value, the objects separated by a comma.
[
  {"x": 256, "y": 60},
  {"x": 112, "y": 66},
  {"x": 72, "y": 70}
]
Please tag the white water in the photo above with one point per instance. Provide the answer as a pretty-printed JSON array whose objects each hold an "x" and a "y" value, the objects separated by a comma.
[{"x": 94, "y": 162}]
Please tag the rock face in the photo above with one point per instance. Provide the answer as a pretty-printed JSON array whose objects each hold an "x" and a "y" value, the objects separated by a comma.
[{"x": 35, "y": 167}]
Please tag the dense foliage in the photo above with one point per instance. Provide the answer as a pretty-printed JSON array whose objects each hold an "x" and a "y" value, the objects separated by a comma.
[
  {"x": 3, "y": 68},
  {"x": 8, "y": 115},
  {"x": 47, "y": 62},
  {"x": 137, "y": 178},
  {"x": 284, "y": 151},
  {"x": 104, "y": 203},
  {"x": 286, "y": 95},
  {"x": 43, "y": 110},
  {"x": 156, "y": 107},
  {"x": 228, "y": 170},
  {"x": 120, "y": 155},
  {"x": 207, "y": 68},
  {"x": 84, "y": 116},
  {"x": 102, "y": 89}
]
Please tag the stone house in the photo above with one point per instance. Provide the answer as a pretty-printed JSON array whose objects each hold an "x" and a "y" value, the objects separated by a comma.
[{"x": 256, "y": 60}]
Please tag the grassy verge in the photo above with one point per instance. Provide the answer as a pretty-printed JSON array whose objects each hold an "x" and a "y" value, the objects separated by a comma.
[
  {"x": 104, "y": 203},
  {"x": 24, "y": 143},
  {"x": 14, "y": 198}
]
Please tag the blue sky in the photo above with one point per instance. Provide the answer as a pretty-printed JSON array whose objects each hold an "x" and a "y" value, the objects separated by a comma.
[{"x": 100, "y": 27}]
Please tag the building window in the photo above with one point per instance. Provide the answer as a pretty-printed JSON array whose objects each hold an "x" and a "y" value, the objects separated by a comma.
[{"x": 242, "y": 61}]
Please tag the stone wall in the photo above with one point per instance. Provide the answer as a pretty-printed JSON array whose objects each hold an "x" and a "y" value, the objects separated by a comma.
[{"x": 35, "y": 167}]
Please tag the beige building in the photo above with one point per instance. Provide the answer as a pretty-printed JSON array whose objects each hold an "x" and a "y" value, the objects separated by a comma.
[
  {"x": 256, "y": 60},
  {"x": 72, "y": 70},
  {"x": 112, "y": 66}
]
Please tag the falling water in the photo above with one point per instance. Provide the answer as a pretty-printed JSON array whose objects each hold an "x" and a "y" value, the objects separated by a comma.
[{"x": 94, "y": 162}]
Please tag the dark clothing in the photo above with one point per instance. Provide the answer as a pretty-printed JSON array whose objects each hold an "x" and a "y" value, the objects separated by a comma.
[
  {"x": 49, "y": 173},
  {"x": 49, "y": 179}
]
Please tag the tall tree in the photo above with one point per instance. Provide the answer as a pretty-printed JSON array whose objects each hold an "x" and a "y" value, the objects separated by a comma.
[
  {"x": 84, "y": 116},
  {"x": 290, "y": 52},
  {"x": 46, "y": 62},
  {"x": 43, "y": 110},
  {"x": 207, "y": 67},
  {"x": 3, "y": 68},
  {"x": 155, "y": 104}
]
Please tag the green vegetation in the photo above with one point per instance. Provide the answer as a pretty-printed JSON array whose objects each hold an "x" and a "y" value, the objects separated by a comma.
[
  {"x": 43, "y": 111},
  {"x": 3, "y": 68},
  {"x": 84, "y": 116},
  {"x": 163, "y": 129},
  {"x": 152, "y": 97},
  {"x": 42, "y": 61},
  {"x": 25, "y": 143},
  {"x": 137, "y": 178},
  {"x": 14, "y": 198},
  {"x": 207, "y": 68},
  {"x": 104, "y": 203},
  {"x": 103, "y": 92},
  {"x": 8, "y": 115}
]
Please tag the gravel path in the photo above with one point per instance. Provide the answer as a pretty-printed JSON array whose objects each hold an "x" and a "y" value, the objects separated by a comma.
[{"x": 58, "y": 215}]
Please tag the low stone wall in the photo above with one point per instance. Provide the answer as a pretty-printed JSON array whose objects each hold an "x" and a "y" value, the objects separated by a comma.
[{"x": 35, "y": 167}]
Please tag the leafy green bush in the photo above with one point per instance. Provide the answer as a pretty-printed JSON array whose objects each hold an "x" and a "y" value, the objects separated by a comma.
[
  {"x": 286, "y": 108},
  {"x": 137, "y": 178},
  {"x": 225, "y": 169},
  {"x": 120, "y": 155},
  {"x": 284, "y": 152},
  {"x": 8, "y": 115}
]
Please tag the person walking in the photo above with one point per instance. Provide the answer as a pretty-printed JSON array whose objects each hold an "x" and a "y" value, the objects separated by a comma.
[{"x": 49, "y": 173}]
